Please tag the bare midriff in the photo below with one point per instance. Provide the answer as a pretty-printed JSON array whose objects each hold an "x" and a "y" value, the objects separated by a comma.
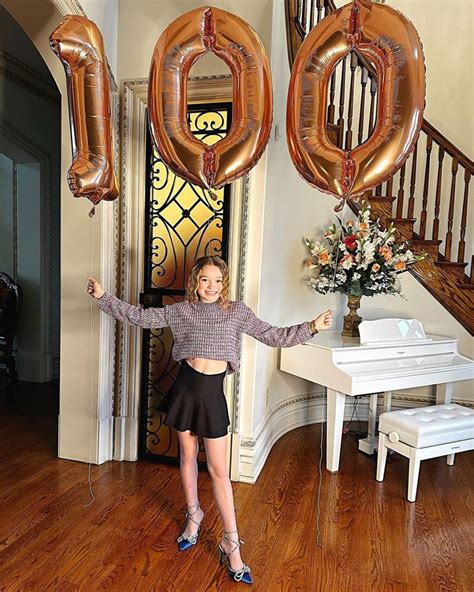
[{"x": 206, "y": 366}]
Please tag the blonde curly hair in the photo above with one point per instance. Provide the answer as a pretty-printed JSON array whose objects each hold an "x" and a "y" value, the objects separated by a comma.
[{"x": 193, "y": 280}]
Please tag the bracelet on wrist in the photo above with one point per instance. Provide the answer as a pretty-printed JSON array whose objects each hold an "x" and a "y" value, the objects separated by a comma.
[{"x": 312, "y": 327}]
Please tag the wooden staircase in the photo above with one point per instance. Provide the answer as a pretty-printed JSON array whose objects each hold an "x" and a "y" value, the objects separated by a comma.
[{"x": 428, "y": 198}]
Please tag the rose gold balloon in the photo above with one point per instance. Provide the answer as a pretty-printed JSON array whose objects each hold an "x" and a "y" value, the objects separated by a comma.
[
  {"x": 390, "y": 42},
  {"x": 181, "y": 44},
  {"x": 80, "y": 47}
]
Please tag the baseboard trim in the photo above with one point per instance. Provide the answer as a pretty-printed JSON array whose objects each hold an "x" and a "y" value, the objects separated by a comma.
[
  {"x": 126, "y": 438},
  {"x": 306, "y": 410},
  {"x": 95, "y": 448}
]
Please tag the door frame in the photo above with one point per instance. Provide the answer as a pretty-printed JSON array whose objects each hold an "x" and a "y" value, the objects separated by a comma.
[{"x": 134, "y": 98}]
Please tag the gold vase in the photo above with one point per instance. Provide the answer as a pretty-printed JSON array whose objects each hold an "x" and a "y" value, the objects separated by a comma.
[{"x": 352, "y": 320}]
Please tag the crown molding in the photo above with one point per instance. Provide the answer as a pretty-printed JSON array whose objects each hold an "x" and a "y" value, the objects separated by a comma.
[{"x": 69, "y": 7}]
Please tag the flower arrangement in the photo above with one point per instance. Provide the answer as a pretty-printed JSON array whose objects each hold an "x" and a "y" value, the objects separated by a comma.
[{"x": 359, "y": 258}]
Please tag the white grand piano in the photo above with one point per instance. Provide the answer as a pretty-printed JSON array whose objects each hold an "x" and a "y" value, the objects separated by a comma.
[{"x": 391, "y": 354}]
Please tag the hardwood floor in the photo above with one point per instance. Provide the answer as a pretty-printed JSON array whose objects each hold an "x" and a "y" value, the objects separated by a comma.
[{"x": 52, "y": 538}]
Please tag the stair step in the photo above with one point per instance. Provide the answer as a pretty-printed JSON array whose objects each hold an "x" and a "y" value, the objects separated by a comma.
[
  {"x": 466, "y": 286},
  {"x": 382, "y": 198},
  {"x": 403, "y": 227},
  {"x": 382, "y": 205},
  {"x": 429, "y": 246},
  {"x": 454, "y": 268}
]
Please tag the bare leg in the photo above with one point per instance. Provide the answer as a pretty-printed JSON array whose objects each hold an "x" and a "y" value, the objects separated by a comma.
[
  {"x": 188, "y": 443},
  {"x": 222, "y": 488}
]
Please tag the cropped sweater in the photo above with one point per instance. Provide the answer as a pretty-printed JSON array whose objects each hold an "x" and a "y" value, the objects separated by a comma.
[{"x": 206, "y": 330}]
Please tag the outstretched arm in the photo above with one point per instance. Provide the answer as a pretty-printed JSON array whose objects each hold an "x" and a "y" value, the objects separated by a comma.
[
  {"x": 275, "y": 336},
  {"x": 149, "y": 318},
  {"x": 284, "y": 336}
]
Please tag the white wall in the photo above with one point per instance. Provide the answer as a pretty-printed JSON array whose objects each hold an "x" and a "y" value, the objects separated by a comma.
[
  {"x": 445, "y": 30},
  {"x": 104, "y": 13},
  {"x": 141, "y": 22}
]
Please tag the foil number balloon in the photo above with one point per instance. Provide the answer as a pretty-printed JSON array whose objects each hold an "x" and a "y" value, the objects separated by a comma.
[
  {"x": 181, "y": 44},
  {"x": 390, "y": 42},
  {"x": 79, "y": 45}
]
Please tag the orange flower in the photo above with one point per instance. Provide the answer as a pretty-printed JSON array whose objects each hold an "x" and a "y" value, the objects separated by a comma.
[
  {"x": 324, "y": 258},
  {"x": 386, "y": 253},
  {"x": 400, "y": 265},
  {"x": 375, "y": 267},
  {"x": 363, "y": 226}
]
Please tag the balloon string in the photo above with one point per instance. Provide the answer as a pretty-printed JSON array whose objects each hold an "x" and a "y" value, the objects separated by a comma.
[
  {"x": 91, "y": 360},
  {"x": 321, "y": 439}
]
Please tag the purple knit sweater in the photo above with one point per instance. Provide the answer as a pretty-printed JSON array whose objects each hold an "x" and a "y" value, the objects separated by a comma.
[{"x": 203, "y": 330}]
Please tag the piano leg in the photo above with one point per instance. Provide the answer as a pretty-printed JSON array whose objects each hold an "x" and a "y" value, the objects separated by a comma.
[
  {"x": 369, "y": 444},
  {"x": 444, "y": 393},
  {"x": 387, "y": 401},
  {"x": 334, "y": 424}
]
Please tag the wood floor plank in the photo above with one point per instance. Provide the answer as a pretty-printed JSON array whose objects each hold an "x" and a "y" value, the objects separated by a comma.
[{"x": 372, "y": 538}]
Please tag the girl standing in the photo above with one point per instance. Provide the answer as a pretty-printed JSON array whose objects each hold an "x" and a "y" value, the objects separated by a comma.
[{"x": 207, "y": 329}]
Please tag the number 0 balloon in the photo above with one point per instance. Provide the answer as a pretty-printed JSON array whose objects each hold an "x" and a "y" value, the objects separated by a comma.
[
  {"x": 181, "y": 44},
  {"x": 390, "y": 42}
]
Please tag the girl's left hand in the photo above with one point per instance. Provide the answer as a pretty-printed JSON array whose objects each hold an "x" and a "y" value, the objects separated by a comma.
[{"x": 323, "y": 321}]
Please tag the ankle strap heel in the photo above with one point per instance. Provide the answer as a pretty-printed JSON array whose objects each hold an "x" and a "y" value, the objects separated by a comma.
[
  {"x": 186, "y": 541},
  {"x": 239, "y": 575}
]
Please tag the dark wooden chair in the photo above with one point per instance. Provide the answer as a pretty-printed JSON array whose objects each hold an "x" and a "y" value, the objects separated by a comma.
[{"x": 10, "y": 306}]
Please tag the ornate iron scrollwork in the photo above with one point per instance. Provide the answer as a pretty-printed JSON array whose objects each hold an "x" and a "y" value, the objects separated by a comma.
[{"x": 182, "y": 223}]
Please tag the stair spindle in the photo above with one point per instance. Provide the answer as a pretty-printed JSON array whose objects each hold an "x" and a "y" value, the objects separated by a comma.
[
  {"x": 353, "y": 66},
  {"x": 363, "y": 82},
  {"x": 372, "y": 114},
  {"x": 462, "y": 235},
  {"x": 438, "y": 193},
  {"x": 401, "y": 192},
  {"x": 332, "y": 92},
  {"x": 303, "y": 16},
  {"x": 342, "y": 93},
  {"x": 452, "y": 199},
  {"x": 311, "y": 15},
  {"x": 319, "y": 6},
  {"x": 411, "y": 199},
  {"x": 426, "y": 184}
]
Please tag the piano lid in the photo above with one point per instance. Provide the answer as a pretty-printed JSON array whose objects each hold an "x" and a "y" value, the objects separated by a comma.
[{"x": 392, "y": 332}]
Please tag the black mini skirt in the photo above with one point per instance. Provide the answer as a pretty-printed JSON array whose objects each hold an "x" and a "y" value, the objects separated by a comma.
[{"x": 196, "y": 402}]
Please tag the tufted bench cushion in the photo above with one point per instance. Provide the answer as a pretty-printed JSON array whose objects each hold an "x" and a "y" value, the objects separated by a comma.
[
  {"x": 429, "y": 426},
  {"x": 427, "y": 432}
]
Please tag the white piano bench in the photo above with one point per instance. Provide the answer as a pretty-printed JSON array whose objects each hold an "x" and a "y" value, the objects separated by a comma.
[{"x": 425, "y": 432}]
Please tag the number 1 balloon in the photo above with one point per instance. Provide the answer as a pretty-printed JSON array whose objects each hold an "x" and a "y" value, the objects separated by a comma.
[
  {"x": 80, "y": 47},
  {"x": 184, "y": 41},
  {"x": 390, "y": 42}
]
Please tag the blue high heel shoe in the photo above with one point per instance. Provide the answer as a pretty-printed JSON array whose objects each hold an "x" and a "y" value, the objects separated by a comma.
[
  {"x": 184, "y": 542},
  {"x": 239, "y": 575}
]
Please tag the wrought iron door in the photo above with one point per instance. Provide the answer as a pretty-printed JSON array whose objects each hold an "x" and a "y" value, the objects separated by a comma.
[{"x": 182, "y": 223}]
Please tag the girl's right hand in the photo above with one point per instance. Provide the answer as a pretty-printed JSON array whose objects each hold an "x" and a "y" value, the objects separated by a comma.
[{"x": 94, "y": 288}]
